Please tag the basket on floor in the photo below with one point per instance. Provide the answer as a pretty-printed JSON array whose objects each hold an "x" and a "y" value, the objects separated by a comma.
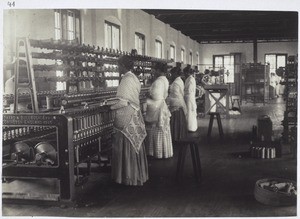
[{"x": 276, "y": 192}]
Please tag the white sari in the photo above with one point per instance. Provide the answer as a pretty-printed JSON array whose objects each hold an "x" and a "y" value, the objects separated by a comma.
[
  {"x": 176, "y": 97},
  {"x": 190, "y": 100}
]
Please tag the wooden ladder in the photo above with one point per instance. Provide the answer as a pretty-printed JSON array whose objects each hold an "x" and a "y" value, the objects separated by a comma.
[{"x": 25, "y": 62}]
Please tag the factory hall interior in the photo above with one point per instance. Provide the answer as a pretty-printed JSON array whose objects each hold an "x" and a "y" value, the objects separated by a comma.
[{"x": 149, "y": 113}]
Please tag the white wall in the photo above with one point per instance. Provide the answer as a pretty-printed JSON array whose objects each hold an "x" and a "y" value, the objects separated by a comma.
[
  {"x": 132, "y": 21},
  {"x": 290, "y": 48},
  {"x": 35, "y": 24},
  {"x": 208, "y": 50}
]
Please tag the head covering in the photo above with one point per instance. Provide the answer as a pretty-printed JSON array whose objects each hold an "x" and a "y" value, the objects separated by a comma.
[
  {"x": 160, "y": 66},
  {"x": 206, "y": 72},
  {"x": 134, "y": 52},
  {"x": 187, "y": 70},
  {"x": 175, "y": 72},
  {"x": 126, "y": 61}
]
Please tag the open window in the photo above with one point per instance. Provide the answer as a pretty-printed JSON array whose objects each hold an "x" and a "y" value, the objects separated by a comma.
[
  {"x": 140, "y": 43},
  {"x": 172, "y": 53},
  {"x": 112, "y": 36},
  {"x": 67, "y": 26},
  {"x": 182, "y": 55},
  {"x": 225, "y": 62},
  {"x": 275, "y": 61},
  {"x": 191, "y": 58},
  {"x": 198, "y": 59}
]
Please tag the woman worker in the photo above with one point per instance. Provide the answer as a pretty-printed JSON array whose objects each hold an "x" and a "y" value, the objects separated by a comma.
[
  {"x": 190, "y": 99},
  {"x": 129, "y": 159},
  {"x": 158, "y": 141},
  {"x": 177, "y": 105}
]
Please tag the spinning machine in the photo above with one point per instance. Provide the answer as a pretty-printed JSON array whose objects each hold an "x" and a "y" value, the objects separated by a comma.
[{"x": 59, "y": 116}]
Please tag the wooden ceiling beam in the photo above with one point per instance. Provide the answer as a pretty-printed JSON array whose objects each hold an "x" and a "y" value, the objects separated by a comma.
[
  {"x": 236, "y": 38},
  {"x": 242, "y": 26},
  {"x": 224, "y": 21},
  {"x": 251, "y": 35},
  {"x": 273, "y": 30},
  {"x": 172, "y": 13},
  {"x": 247, "y": 41},
  {"x": 241, "y": 37},
  {"x": 231, "y": 25}
]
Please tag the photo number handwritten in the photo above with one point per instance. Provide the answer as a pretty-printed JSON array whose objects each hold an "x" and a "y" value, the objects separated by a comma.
[{"x": 11, "y": 4}]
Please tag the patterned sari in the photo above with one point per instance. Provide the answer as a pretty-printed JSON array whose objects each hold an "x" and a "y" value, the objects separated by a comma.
[{"x": 129, "y": 160}]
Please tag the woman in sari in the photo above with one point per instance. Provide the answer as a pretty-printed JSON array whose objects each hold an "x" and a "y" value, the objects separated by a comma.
[
  {"x": 129, "y": 159},
  {"x": 190, "y": 99},
  {"x": 158, "y": 141},
  {"x": 177, "y": 105}
]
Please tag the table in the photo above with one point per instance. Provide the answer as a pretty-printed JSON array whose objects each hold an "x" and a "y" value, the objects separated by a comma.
[{"x": 211, "y": 90}]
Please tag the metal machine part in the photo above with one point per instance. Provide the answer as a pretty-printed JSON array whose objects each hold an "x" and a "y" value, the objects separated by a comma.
[
  {"x": 45, "y": 153},
  {"x": 21, "y": 152}
]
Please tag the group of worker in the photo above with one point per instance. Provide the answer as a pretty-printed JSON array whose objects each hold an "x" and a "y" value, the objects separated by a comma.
[{"x": 170, "y": 112}]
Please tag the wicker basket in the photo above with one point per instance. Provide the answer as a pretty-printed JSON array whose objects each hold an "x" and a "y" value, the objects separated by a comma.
[{"x": 268, "y": 197}]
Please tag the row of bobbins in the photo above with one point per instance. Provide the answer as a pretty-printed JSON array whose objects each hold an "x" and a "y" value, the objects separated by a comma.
[
  {"x": 263, "y": 152},
  {"x": 22, "y": 131}
]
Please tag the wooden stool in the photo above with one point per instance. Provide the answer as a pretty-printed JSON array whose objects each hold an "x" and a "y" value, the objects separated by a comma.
[
  {"x": 191, "y": 140},
  {"x": 211, "y": 120}
]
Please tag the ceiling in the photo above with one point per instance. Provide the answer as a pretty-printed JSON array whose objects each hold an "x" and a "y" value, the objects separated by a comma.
[{"x": 231, "y": 26}]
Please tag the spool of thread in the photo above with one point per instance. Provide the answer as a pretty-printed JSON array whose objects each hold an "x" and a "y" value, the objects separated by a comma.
[
  {"x": 263, "y": 151},
  {"x": 49, "y": 102},
  {"x": 268, "y": 153},
  {"x": 273, "y": 153}
]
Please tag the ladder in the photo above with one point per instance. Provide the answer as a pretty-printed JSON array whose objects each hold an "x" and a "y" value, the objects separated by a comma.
[{"x": 24, "y": 64}]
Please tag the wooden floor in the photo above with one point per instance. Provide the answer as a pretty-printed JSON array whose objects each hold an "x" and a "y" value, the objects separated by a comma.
[{"x": 227, "y": 188}]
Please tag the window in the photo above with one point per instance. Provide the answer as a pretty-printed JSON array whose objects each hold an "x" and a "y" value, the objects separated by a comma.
[
  {"x": 57, "y": 27},
  {"x": 191, "y": 58},
  {"x": 158, "y": 49},
  {"x": 67, "y": 24},
  {"x": 182, "y": 55},
  {"x": 172, "y": 53},
  {"x": 112, "y": 36},
  {"x": 276, "y": 61},
  {"x": 71, "y": 26},
  {"x": 198, "y": 60},
  {"x": 66, "y": 27},
  {"x": 140, "y": 43},
  {"x": 225, "y": 62}
]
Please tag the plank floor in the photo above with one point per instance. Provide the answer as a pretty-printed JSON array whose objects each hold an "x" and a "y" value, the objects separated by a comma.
[{"x": 226, "y": 190}]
